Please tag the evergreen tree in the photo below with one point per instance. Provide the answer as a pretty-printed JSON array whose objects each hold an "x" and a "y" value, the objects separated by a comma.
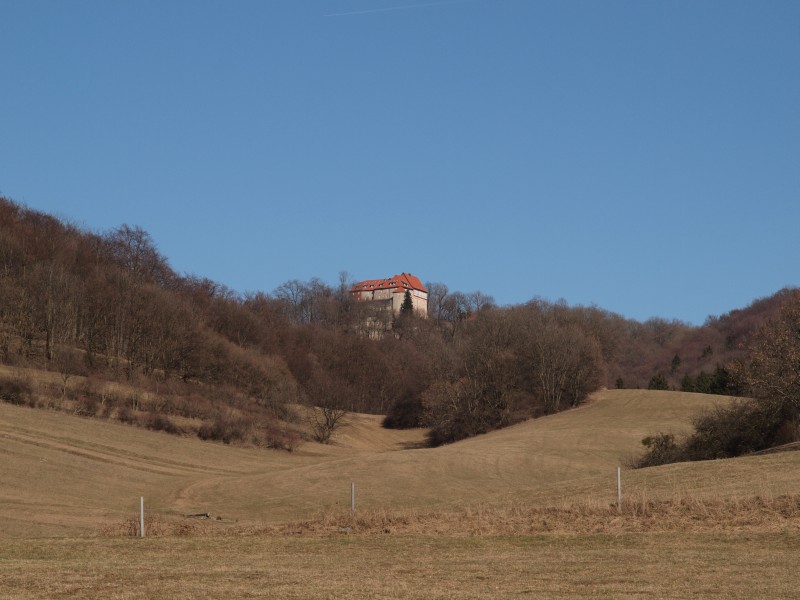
[
  {"x": 687, "y": 384},
  {"x": 407, "y": 307},
  {"x": 658, "y": 382},
  {"x": 703, "y": 383},
  {"x": 722, "y": 383}
]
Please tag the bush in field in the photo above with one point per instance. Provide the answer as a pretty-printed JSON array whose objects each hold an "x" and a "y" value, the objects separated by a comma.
[
  {"x": 324, "y": 421},
  {"x": 280, "y": 439},
  {"x": 159, "y": 422},
  {"x": 225, "y": 429},
  {"x": 15, "y": 392},
  {"x": 739, "y": 428},
  {"x": 661, "y": 450}
]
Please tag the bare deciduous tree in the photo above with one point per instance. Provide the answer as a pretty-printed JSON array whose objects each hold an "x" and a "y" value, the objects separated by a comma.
[
  {"x": 772, "y": 371},
  {"x": 325, "y": 421},
  {"x": 437, "y": 293}
]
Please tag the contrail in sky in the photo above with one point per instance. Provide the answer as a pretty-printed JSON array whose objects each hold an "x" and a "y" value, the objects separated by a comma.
[{"x": 401, "y": 7}]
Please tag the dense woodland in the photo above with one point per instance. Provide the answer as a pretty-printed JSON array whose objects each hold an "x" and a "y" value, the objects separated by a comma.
[{"x": 201, "y": 358}]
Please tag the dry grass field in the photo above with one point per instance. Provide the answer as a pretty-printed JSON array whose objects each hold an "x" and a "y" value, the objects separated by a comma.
[
  {"x": 523, "y": 512},
  {"x": 673, "y": 565}
]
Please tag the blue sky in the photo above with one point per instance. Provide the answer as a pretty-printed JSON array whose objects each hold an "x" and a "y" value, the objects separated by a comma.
[{"x": 641, "y": 156}]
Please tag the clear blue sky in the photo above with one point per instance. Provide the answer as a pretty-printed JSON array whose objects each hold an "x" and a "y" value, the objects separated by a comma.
[{"x": 643, "y": 156}]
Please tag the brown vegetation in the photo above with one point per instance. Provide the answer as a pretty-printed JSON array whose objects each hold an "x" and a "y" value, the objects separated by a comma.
[
  {"x": 527, "y": 511},
  {"x": 770, "y": 417},
  {"x": 634, "y": 515},
  {"x": 98, "y": 325},
  {"x": 103, "y": 309},
  {"x": 650, "y": 565}
]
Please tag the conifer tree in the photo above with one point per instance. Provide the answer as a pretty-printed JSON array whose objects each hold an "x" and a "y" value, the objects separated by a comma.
[{"x": 407, "y": 307}]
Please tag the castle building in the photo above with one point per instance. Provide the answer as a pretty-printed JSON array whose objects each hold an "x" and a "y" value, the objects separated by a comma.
[{"x": 391, "y": 292}]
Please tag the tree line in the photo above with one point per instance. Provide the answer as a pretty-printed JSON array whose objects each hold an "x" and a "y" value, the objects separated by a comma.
[
  {"x": 108, "y": 306},
  {"x": 768, "y": 415}
]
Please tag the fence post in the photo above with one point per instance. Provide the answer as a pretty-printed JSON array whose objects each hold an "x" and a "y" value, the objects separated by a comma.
[
  {"x": 619, "y": 489},
  {"x": 141, "y": 516},
  {"x": 353, "y": 497}
]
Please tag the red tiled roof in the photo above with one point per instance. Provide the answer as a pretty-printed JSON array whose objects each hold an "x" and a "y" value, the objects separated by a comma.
[{"x": 398, "y": 283}]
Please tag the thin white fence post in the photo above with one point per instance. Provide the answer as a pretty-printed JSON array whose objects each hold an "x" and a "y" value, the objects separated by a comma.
[
  {"x": 141, "y": 516},
  {"x": 353, "y": 497},
  {"x": 619, "y": 489}
]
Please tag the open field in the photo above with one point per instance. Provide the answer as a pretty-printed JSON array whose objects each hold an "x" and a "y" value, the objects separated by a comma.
[
  {"x": 523, "y": 512},
  {"x": 630, "y": 566},
  {"x": 72, "y": 476}
]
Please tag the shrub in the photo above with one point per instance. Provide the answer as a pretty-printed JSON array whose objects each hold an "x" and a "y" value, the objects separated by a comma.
[
  {"x": 279, "y": 439},
  {"x": 87, "y": 405},
  {"x": 661, "y": 450},
  {"x": 739, "y": 428},
  {"x": 15, "y": 392},
  {"x": 458, "y": 427},
  {"x": 192, "y": 406},
  {"x": 281, "y": 412},
  {"x": 126, "y": 415},
  {"x": 455, "y": 411},
  {"x": 406, "y": 413},
  {"x": 226, "y": 429},
  {"x": 158, "y": 422}
]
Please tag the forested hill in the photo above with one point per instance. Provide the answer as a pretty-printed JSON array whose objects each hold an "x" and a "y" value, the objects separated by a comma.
[{"x": 200, "y": 358}]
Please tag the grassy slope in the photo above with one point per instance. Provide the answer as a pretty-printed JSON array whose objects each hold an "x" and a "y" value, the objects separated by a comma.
[{"x": 67, "y": 475}]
